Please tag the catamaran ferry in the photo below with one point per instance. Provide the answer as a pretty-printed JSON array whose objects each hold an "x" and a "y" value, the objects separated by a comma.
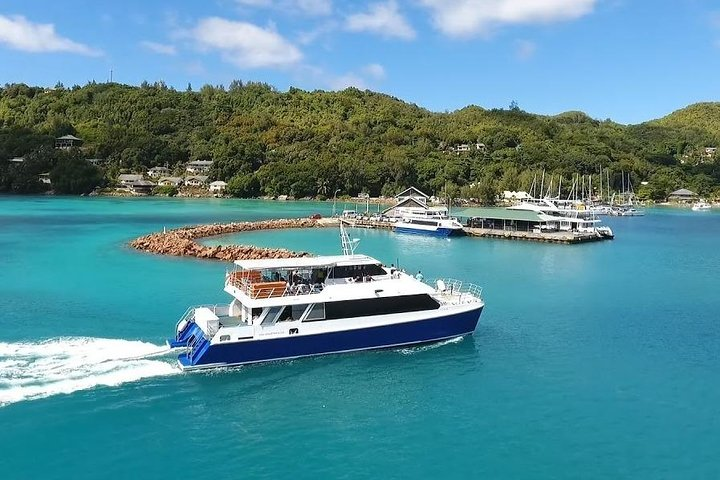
[
  {"x": 428, "y": 221},
  {"x": 298, "y": 307}
]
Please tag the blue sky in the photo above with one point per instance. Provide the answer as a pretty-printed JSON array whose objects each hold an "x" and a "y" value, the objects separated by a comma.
[{"x": 628, "y": 60}]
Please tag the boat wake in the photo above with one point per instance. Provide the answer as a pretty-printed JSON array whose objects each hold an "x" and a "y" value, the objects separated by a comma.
[
  {"x": 430, "y": 346},
  {"x": 33, "y": 370}
]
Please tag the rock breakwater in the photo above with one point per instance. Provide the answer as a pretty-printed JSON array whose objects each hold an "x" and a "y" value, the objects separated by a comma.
[{"x": 181, "y": 241}]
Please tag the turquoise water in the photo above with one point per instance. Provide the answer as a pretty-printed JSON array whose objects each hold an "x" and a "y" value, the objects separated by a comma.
[{"x": 590, "y": 361}]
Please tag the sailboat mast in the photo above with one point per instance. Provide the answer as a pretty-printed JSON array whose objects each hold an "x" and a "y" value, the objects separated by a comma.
[
  {"x": 559, "y": 185},
  {"x": 607, "y": 178}
]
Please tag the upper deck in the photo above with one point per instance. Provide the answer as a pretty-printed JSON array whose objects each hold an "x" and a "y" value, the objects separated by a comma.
[
  {"x": 305, "y": 262},
  {"x": 278, "y": 279}
]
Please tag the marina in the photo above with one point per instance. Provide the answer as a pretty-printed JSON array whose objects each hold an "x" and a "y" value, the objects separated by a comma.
[{"x": 510, "y": 230}]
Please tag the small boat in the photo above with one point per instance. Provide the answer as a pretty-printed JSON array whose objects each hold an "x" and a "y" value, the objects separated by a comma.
[
  {"x": 626, "y": 211},
  {"x": 701, "y": 206},
  {"x": 297, "y": 307},
  {"x": 600, "y": 209},
  {"x": 605, "y": 231}
]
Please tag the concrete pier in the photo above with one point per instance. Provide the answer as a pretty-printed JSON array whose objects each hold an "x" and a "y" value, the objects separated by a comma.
[{"x": 547, "y": 237}]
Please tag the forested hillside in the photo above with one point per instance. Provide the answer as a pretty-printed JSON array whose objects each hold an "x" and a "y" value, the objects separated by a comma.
[
  {"x": 701, "y": 117},
  {"x": 266, "y": 142}
]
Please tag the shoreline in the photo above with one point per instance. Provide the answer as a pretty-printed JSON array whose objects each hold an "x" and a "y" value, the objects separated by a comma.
[{"x": 180, "y": 242}]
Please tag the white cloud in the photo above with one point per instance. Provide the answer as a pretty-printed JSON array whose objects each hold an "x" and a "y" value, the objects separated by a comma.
[
  {"x": 195, "y": 68},
  {"x": 525, "y": 49},
  {"x": 19, "y": 33},
  {"x": 374, "y": 70},
  {"x": 159, "y": 48},
  {"x": 244, "y": 44},
  {"x": 465, "y": 18},
  {"x": 348, "y": 80},
  {"x": 382, "y": 18},
  {"x": 362, "y": 78},
  {"x": 255, "y": 3},
  {"x": 714, "y": 19},
  {"x": 315, "y": 7},
  {"x": 310, "y": 36},
  {"x": 309, "y": 7}
]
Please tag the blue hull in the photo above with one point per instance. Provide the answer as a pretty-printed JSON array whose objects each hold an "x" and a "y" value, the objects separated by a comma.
[
  {"x": 440, "y": 232},
  {"x": 421, "y": 331}
]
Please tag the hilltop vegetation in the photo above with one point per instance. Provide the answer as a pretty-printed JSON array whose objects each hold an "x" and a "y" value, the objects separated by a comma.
[
  {"x": 702, "y": 118},
  {"x": 265, "y": 142}
]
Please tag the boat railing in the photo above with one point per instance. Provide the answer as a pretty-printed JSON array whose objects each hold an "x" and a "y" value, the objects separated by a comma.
[
  {"x": 189, "y": 314},
  {"x": 458, "y": 291},
  {"x": 260, "y": 289},
  {"x": 193, "y": 345}
]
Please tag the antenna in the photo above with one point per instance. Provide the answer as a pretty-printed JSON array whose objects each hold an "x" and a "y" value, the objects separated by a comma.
[{"x": 348, "y": 246}]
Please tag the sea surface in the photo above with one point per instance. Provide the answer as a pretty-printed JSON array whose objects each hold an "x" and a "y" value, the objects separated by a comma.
[{"x": 590, "y": 361}]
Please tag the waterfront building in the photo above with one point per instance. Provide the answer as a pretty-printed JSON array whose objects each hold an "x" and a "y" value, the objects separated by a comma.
[
  {"x": 170, "y": 182},
  {"x": 218, "y": 186},
  {"x": 501, "y": 219},
  {"x": 158, "y": 171},
  {"x": 534, "y": 220},
  {"x": 412, "y": 193},
  {"x": 67, "y": 141},
  {"x": 199, "y": 166},
  {"x": 683, "y": 195},
  {"x": 196, "y": 180},
  {"x": 141, "y": 187},
  {"x": 410, "y": 198},
  {"x": 126, "y": 179}
]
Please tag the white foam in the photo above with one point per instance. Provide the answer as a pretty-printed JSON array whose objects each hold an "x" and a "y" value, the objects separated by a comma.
[
  {"x": 33, "y": 370},
  {"x": 431, "y": 346}
]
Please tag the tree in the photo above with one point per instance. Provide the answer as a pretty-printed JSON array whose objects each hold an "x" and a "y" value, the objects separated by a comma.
[
  {"x": 243, "y": 186},
  {"x": 74, "y": 176},
  {"x": 311, "y": 143}
]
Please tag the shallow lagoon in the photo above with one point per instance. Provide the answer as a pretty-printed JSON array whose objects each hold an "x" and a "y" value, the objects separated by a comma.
[{"x": 592, "y": 361}]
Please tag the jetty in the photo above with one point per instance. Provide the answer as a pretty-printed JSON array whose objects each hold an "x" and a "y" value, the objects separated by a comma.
[
  {"x": 509, "y": 231},
  {"x": 547, "y": 237},
  {"x": 182, "y": 242}
]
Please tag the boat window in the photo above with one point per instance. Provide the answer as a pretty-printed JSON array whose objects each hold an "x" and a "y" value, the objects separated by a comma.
[
  {"x": 224, "y": 338},
  {"x": 298, "y": 310},
  {"x": 428, "y": 223},
  {"x": 270, "y": 315},
  {"x": 380, "y": 306},
  {"x": 285, "y": 315},
  {"x": 317, "y": 312},
  {"x": 352, "y": 271}
]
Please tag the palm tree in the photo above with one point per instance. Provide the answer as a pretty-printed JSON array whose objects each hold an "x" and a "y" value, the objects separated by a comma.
[{"x": 322, "y": 186}]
